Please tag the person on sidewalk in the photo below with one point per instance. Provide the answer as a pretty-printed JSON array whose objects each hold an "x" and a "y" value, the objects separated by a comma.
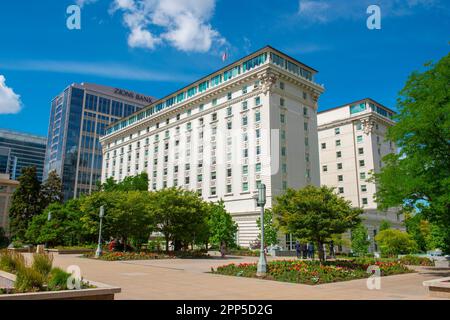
[{"x": 298, "y": 249}]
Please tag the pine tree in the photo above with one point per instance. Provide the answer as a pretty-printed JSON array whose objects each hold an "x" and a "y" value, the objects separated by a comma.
[{"x": 25, "y": 202}]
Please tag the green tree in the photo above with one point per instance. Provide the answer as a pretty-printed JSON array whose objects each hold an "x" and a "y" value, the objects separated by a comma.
[
  {"x": 222, "y": 228},
  {"x": 51, "y": 190},
  {"x": 180, "y": 215},
  {"x": 393, "y": 242},
  {"x": 26, "y": 203},
  {"x": 4, "y": 241},
  {"x": 360, "y": 241},
  {"x": 129, "y": 183},
  {"x": 418, "y": 177},
  {"x": 315, "y": 214},
  {"x": 270, "y": 229},
  {"x": 128, "y": 215},
  {"x": 64, "y": 227},
  {"x": 384, "y": 225}
]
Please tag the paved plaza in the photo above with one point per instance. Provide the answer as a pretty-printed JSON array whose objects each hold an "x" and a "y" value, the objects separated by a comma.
[{"x": 189, "y": 279}]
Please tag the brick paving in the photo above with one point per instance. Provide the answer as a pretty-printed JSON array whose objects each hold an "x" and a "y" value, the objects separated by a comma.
[{"x": 189, "y": 279}]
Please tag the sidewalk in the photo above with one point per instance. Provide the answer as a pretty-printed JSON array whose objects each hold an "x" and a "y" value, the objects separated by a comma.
[{"x": 188, "y": 279}]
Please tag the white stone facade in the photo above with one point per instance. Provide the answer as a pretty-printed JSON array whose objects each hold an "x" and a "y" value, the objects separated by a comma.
[
  {"x": 352, "y": 143},
  {"x": 254, "y": 121}
]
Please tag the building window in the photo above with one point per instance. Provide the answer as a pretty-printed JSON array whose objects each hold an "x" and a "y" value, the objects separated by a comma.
[
  {"x": 175, "y": 169},
  {"x": 337, "y": 130},
  {"x": 323, "y": 145},
  {"x": 338, "y": 143},
  {"x": 360, "y": 150},
  {"x": 324, "y": 168},
  {"x": 188, "y": 126},
  {"x": 229, "y": 125},
  {"x": 257, "y": 116},
  {"x": 340, "y": 178},
  {"x": 282, "y": 118},
  {"x": 187, "y": 166},
  {"x": 281, "y": 85},
  {"x": 229, "y": 95},
  {"x": 229, "y": 188},
  {"x": 213, "y": 175},
  {"x": 245, "y": 186},
  {"x": 284, "y": 168},
  {"x": 244, "y": 120},
  {"x": 364, "y": 201},
  {"x": 229, "y": 111},
  {"x": 281, "y": 102},
  {"x": 244, "y": 105},
  {"x": 305, "y": 126},
  {"x": 305, "y": 111},
  {"x": 339, "y": 166},
  {"x": 283, "y": 134},
  {"x": 362, "y": 175},
  {"x": 363, "y": 188},
  {"x": 202, "y": 106},
  {"x": 341, "y": 190},
  {"x": 338, "y": 154},
  {"x": 283, "y": 151},
  {"x": 359, "y": 139},
  {"x": 244, "y": 89},
  {"x": 258, "y": 167},
  {"x": 361, "y": 163},
  {"x": 214, "y": 117},
  {"x": 258, "y": 150},
  {"x": 229, "y": 172},
  {"x": 186, "y": 180},
  {"x": 284, "y": 185},
  {"x": 245, "y": 169},
  {"x": 257, "y": 101},
  {"x": 245, "y": 153},
  {"x": 359, "y": 126},
  {"x": 199, "y": 178},
  {"x": 258, "y": 133}
]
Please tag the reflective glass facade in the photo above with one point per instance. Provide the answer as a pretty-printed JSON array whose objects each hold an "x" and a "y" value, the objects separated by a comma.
[
  {"x": 20, "y": 150},
  {"x": 79, "y": 116}
]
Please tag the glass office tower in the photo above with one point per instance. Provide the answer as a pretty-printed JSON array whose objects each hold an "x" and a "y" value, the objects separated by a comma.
[
  {"x": 19, "y": 150},
  {"x": 78, "y": 117}
]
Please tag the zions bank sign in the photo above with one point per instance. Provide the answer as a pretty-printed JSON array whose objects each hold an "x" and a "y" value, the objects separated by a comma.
[{"x": 133, "y": 95}]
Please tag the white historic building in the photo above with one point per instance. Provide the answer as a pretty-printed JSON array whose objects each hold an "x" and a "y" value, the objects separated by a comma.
[
  {"x": 253, "y": 121},
  {"x": 352, "y": 144}
]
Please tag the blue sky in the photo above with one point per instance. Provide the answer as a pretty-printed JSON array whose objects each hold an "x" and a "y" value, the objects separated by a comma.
[{"x": 157, "y": 46}]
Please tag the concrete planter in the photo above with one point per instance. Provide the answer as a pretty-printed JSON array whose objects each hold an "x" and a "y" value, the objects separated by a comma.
[
  {"x": 438, "y": 287},
  {"x": 101, "y": 292},
  {"x": 22, "y": 250}
]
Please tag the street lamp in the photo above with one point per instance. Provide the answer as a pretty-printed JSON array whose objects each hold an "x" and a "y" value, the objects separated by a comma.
[
  {"x": 49, "y": 217},
  {"x": 260, "y": 202},
  {"x": 98, "y": 253}
]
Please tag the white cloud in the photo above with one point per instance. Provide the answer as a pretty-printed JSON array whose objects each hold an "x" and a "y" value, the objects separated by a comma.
[
  {"x": 324, "y": 11},
  {"x": 9, "y": 100},
  {"x": 106, "y": 70},
  {"x": 183, "y": 24}
]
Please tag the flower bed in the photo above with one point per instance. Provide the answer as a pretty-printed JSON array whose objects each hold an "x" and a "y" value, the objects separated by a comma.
[
  {"x": 416, "y": 261},
  {"x": 312, "y": 272},
  {"x": 119, "y": 256}
]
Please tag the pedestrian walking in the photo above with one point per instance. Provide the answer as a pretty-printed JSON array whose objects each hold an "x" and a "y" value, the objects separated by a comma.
[{"x": 298, "y": 249}]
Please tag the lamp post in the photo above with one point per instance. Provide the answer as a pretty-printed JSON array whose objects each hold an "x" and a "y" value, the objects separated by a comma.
[
  {"x": 260, "y": 202},
  {"x": 98, "y": 253},
  {"x": 49, "y": 217}
]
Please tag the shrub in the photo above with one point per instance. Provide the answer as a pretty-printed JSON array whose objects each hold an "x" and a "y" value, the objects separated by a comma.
[
  {"x": 416, "y": 261},
  {"x": 393, "y": 242},
  {"x": 17, "y": 244},
  {"x": 57, "y": 279},
  {"x": 42, "y": 263},
  {"x": 11, "y": 261},
  {"x": 29, "y": 280}
]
